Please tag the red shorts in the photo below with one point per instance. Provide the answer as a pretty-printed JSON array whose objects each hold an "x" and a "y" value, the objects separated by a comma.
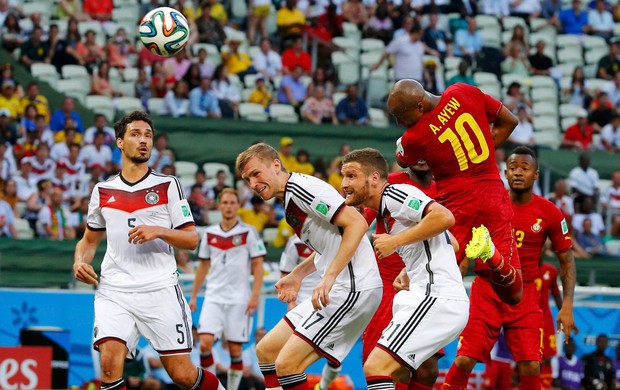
[
  {"x": 549, "y": 346},
  {"x": 522, "y": 323},
  {"x": 487, "y": 205},
  {"x": 497, "y": 375}
]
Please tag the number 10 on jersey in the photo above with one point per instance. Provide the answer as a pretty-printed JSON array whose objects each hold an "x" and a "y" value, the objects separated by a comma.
[{"x": 461, "y": 138}]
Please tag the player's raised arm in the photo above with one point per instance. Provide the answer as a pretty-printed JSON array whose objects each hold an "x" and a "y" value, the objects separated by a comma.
[
  {"x": 503, "y": 126},
  {"x": 84, "y": 255}
]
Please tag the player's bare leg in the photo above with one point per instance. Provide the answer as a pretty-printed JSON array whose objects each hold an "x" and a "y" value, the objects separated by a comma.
[
  {"x": 267, "y": 351},
  {"x": 382, "y": 370},
  {"x": 235, "y": 372},
  {"x": 206, "y": 358},
  {"x": 529, "y": 375},
  {"x": 425, "y": 376},
  {"x": 505, "y": 279},
  {"x": 112, "y": 355},
  {"x": 458, "y": 375},
  {"x": 183, "y": 373},
  {"x": 292, "y": 361}
]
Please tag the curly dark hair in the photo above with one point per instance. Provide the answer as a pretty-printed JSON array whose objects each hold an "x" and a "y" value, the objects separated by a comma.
[{"x": 121, "y": 126}]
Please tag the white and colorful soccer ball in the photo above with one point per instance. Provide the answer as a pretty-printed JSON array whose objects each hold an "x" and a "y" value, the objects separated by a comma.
[{"x": 164, "y": 31}]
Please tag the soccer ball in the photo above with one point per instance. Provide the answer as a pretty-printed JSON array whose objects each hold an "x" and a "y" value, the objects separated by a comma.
[{"x": 164, "y": 31}]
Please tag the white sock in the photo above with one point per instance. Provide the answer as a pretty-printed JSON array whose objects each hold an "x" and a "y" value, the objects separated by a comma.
[
  {"x": 328, "y": 375},
  {"x": 234, "y": 378}
]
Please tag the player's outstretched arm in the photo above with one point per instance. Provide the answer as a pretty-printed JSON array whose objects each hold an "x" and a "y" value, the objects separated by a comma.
[
  {"x": 257, "y": 271},
  {"x": 355, "y": 227},
  {"x": 84, "y": 255},
  {"x": 568, "y": 276},
  {"x": 503, "y": 126},
  {"x": 201, "y": 273},
  {"x": 185, "y": 237},
  {"x": 289, "y": 284},
  {"x": 436, "y": 220}
]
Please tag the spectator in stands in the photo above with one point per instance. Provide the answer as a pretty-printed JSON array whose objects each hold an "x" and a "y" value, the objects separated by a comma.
[
  {"x": 197, "y": 205},
  {"x": 26, "y": 182},
  {"x": 568, "y": 369},
  {"x": 143, "y": 89},
  {"x": 237, "y": 62},
  {"x": 60, "y": 150},
  {"x": 42, "y": 164},
  {"x": 9, "y": 99},
  {"x": 354, "y": 11},
  {"x": 517, "y": 39},
  {"x": 319, "y": 78},
  {"x": 53, "y": 218},
  {"x": 352, "y": 110},
  {"x": 318, "y": 108},
  {"x": 75, "y": 172},
  {"x": 303, "y": 163},
  {"x": 193, "y": 76},
  {"x": 583, "y": 180},
  {"x": 610, "y": 202},
  {"x": 203, "y": 102},
  {"x": 178, "y": 64},
  {"x": 148, "y": 6},
  {"x": 526, "y": 9},
  {"x": 71, "y": 9},
  {"x": 7, "y": 167},
  {"x": 206, "y": 68},
  {"x": 406, "y": 26},
  {"x": 175, "y": 101},
  {"x": 600, "y": 21},
  {"x": 498, "y": 8},
  {"x": 227, "y": 93},
  {"x": 613, "y": 89},
  {"x": 11, "y": 33},
  {"x": 7, "y": 220},
  {"x": 44, "y": 134},
  {"x": 436, "y": 38},
  {"x": 516, "y": 98},
  {"x": 260, "y": 216},
  {"x": 516, "y": 62},
  {"x": 80, "y": 216},
  {"x": 257, "y": 19},
  {"x": 292, "y": 90},
  {"x": 540, "y": 63},
  {"x": 162, "y": 80},
  {"x": 209, "y": 29},
  {"x": 118, "y": 49},
  {"x": 220, "y": 183},
  {"x": 379, "y": 25},
  {"x": 67, "y": 110},
  {"x": 408, "y": 52},
  {"x": 88, "y": 51},
  {"x": 579, "y": 135},
  {"x": 200, "y": 179},
  {"x": 286, "y": 154},
  {"x": 100, "y": 123},
  {"x": 99, "y": 10},
  {"x": 218, "y": 12},
  {"x": 33, "y": 97},
  {"x": 550, "y": 10},
  {"x": 267, "y": 61},
  {"x": 64, "y": 50},
  {"x": 432, "y": 77},
  {"x": 290, "y": 22},
  {"x": 35, "y": 50},
  {"x": 101, "y": 84},
  {"x": 560, "y": 198},
  {"x": 296, "y": 56},
  {"x": 610, "y": 135},
  {"x": 8, "y": 127},
  {"x": 261, "y": 94},
  {"x": 598, "y": 368},
  {"x": 468, "y": 43},
  {"x": 462, "y": 76},
  {"x": 9, "y": 195},
  {"x": 609, "y": 65},
  {"x": 97, "y": 154},
  {"x": 578, "y": 91},
  {"x": 574, "y": 20},
  {"x": 523, "y": 134},
  {"x": 592, "y": 243},
  {"x": 161, "y": 155}
]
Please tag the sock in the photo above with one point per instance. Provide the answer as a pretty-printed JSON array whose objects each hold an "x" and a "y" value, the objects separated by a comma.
[
  {"x": 545, "y": 377},
  {"x": 294, "y": 382},
  {"x": 529, "y": 382},
  {"x": 206, "y": 381},
  {"x": 207, "y": 362},
  {"x": 328, "y": 375},
  {"x": 118, "y": 384},
  {"x": 235, "y": 373},
  {"x": 506, "y": 281},
  {"x": 413, "y": 385},
  {"x": 456, "y": 379},
  {"x": 379, "y": 382},
  {"x": 271, "y": 378}
]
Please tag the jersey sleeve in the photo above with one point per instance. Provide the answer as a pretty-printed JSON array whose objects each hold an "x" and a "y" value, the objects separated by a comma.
[
  {"x": 558, "y": 229},
  {"x": 203, "y": 250},
  {"x": 95, "y": 220},
  {"x": 408, "y": 150},
  {"x": 289, "y": 257},
  {"x": 256, "y": 245},
  {"x": 180, "y": 213},
  {"x": 407, "y": 203},
  {"x": 318, "y": 198},
  {"x": 554, "y": 289}
]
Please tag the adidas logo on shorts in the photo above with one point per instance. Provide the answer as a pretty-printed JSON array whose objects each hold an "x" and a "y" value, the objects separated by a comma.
[{"x": 330, "y": 346}]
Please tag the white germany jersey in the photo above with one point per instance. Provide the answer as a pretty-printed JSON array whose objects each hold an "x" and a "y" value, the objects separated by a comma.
[
  {"x": 117, "y": 206},
  {"x": 231, "y": 253},
  {"x": 431, "y": 264},
  {"x": 296, "y": 252},
  {"x": 310, "y": 206}
]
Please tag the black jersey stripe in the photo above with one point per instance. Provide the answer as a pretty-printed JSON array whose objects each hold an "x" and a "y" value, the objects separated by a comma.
[
  {"x": 412, "y": 323},
  {"x": 429, "y": 257},
  {"x": 349, "y": 303},
  {"x": 301, "y": 192},
  {"x": 412, "y": 319},
  {"x": 188, "y": 329}
]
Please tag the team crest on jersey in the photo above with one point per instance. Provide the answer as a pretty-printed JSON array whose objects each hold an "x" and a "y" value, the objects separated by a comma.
[
  {"x": 151, "y": 198},
  {"x": 293, "y": 220},
  {"x": 237, "y": 240},
  {"x": 536, "y": 227}
]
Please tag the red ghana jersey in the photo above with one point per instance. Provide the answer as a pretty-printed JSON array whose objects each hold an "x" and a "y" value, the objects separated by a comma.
[
  {"x": 390, "y": 266},
  {"x": 455, "y": 137},
  {"x": 547, "y": 282},
  {"x": 532, "y": 224}
]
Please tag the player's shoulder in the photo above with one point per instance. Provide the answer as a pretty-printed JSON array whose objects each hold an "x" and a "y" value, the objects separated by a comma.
[
  {"x": 306, "y": 187},
  {"x": 245, "y": 227},
  {"x": 112, "y": 182},
  {"x": 399, "y": 178},
  {"x": 545, "y": 204}
]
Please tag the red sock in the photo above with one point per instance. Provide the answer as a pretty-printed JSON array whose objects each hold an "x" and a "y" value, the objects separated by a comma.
[
  {"x": 294, "y": 382},
  {"x": 506, "y": 281},
  {"x": 269, "y": 373},
  {"x": 456, "y": 379},
  {"x": 413, "y": 385},
  {"x": 545, "y": 377},
  {"x": 236, "y": 363},
  {"x": 529, "y": 382},
  {"x": 206, "y": 360},
  {"x": 209, "y": 381}
]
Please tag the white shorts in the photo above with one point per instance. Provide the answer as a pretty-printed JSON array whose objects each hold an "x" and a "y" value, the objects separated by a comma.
[
  {"x": 421, "y": 326},
  {"x": 225, "y": 319},
  {"x": 161, "y": 316},
  {"x": 335, "y": 329}
]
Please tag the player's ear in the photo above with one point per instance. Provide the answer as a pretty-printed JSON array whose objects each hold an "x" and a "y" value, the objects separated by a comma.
[{"x": 119, "y": 143}]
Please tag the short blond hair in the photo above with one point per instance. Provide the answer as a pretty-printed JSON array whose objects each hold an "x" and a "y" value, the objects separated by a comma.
[
  {"x": 228, "y": 190},
  {"x": 260, "y": 150}
]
